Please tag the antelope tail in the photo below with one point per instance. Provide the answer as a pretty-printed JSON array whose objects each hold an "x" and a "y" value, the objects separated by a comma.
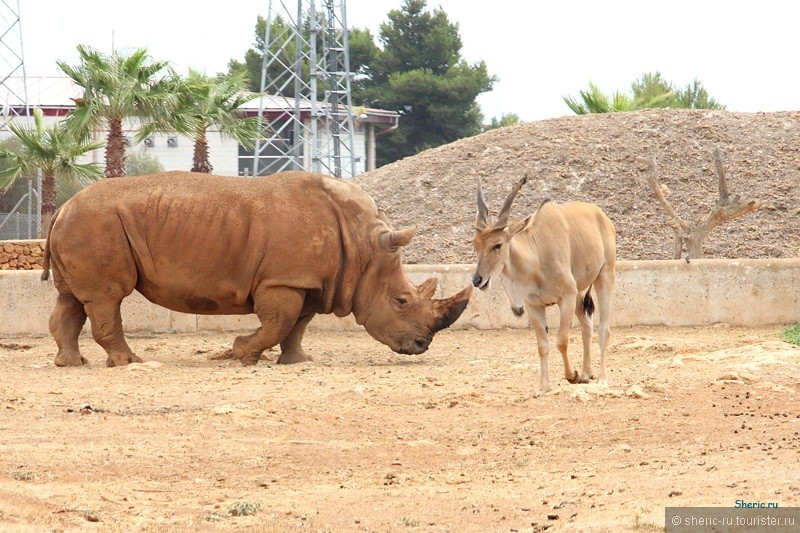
[{"x": 588, "y": 303}]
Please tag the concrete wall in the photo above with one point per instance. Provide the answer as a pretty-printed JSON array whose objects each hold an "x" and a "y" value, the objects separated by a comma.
[{"x": 670, "y": 293}]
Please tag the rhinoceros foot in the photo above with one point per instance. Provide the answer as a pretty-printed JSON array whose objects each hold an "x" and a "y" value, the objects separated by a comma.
[
  {"x": 293, "y": 356},
  {"x": 70, "y": 358},
  {"x": 243, "y": 350},
  {"x": 122, "y": 359},
  {"x": 246, "y": 358}
]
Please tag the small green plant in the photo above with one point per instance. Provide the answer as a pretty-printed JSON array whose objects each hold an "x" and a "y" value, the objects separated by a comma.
[
  {"x": 22, "y": 475},
  {"x": 140, "y": 163},
  {"x": 410, "y": 522},
  {"x": 792, "y": 334},
  {"x": 640, "y": 524},
  {"x": 244, "y": 508}
]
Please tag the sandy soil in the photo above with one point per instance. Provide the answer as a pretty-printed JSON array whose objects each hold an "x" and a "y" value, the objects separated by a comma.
[{"x": 365, "y": 440}]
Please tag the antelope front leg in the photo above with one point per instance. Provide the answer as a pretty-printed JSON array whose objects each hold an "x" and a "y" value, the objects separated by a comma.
[{"x": 539, "y": 323}]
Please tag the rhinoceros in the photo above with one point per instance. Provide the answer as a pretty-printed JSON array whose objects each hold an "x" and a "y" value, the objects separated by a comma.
[{"x": 285, "y": 247}]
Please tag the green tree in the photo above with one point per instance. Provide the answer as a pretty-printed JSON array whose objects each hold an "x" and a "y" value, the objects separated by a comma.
[
  {"x": 140, "y": 163},
  {"x": 116, "y": 87},
  {"x": 206, "y": 103},
  {"x": 55, "y": 151},
  {"x": 420, "y": 74},
  {"x": 652, "y": 91},
  {"x": 695, "y": 96},
  {"x": 253, "y": 58},
  {"x": 648, "y": 92},
  {"x": 362, "y": 50},
  {"x": 507, "y": 119},
  {"x": 596, "y": 101}
]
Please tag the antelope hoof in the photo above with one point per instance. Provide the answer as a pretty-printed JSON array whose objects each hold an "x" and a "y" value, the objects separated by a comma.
[{"x": 575, "y": 378}]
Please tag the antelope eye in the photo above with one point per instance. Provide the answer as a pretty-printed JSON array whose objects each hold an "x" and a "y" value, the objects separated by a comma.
[
  {"x": 497, "y": 246},
  {"x": 400, "y": 300}
]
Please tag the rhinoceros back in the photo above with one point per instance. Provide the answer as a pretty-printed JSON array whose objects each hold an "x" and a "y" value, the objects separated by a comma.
[{"x": 198, "y": 243}]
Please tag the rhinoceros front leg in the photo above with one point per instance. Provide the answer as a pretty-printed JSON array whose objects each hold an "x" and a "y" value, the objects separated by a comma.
[
  {"x": 66, "y": 323},
  {"x": 107, "y": 331},
  {"x": 278, "y": 309},
  {"x": 291, "y": 348}
]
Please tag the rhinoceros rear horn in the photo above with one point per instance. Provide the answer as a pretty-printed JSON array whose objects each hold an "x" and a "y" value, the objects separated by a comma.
[
  {"x": 390, "y": 241},
  {"x": 447, "y": 311}
]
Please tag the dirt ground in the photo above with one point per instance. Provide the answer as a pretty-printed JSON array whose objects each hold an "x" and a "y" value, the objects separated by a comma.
[{"x": 366, "y": 440}]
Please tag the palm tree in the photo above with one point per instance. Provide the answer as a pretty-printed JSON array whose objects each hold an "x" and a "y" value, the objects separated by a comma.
[
  {"x": 118, "y": 87},
  {"x": 595, "y": 101},
  {"x": 207, "y": 103},
  {"x": 55, "y": 151},
  {"x": 648, "y": 92}
]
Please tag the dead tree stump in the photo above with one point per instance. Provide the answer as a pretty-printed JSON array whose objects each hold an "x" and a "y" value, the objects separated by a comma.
[{"x": 689, "y": 238}]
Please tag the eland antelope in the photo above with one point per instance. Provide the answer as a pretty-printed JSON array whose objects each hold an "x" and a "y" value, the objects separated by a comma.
[{"x": 554, "y": 256}]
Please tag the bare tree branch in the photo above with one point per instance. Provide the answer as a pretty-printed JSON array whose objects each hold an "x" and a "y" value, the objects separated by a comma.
[
  {"x": 723, "y": 182},
  {"x": 675, "y": 222},
  {"x": 691, "y": 238}
]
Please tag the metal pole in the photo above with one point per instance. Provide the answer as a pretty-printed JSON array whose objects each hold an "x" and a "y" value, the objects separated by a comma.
[
  {"x": 263, "y": 88},
  {"x": 333, "y": 73}
]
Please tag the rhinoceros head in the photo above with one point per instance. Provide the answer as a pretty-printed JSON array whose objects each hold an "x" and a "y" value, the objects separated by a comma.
[{"x": 396, "y": 312}]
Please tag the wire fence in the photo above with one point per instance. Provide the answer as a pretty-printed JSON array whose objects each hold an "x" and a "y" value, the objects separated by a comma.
[{"x": 20, "y": 211}]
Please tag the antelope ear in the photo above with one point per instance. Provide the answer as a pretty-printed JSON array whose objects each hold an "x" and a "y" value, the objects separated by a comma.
[
  {"x": 518, "y": 226},
  {"x": 390, "y": 241},
  {"x": 428, "y": 288}
]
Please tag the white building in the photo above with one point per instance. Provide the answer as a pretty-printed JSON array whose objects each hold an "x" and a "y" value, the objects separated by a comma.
[{"x": 55, "y": 97}]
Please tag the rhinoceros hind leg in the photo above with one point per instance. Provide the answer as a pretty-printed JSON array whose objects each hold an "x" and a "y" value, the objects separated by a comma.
[
  {"x": 291, "y": 347},
  {"x": 66, "y": 323},
  {"x": 107, "y": 331},
  {"x": 277, "y": 309}
]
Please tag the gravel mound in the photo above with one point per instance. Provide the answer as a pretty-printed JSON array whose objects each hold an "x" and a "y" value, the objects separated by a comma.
[{"x": 599, "y": 159}]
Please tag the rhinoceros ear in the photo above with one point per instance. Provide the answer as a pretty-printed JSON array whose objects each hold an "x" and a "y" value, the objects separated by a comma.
[
  {"x": 428, "y": 288},
  {"x": 382, "y": 216},
  {"x": 390, "y": 241}
]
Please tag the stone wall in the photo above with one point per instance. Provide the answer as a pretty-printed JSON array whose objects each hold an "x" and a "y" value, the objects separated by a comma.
[
  {"x": 746, "y": 292},
  {"x": 21, "y": 255}
]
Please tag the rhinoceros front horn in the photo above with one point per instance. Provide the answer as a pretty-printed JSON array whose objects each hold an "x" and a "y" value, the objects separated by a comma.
[{"x": 447, "y": 311}]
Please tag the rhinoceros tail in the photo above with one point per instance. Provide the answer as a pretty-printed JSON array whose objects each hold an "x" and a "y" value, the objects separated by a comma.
[{"x": 46, "y": 255}]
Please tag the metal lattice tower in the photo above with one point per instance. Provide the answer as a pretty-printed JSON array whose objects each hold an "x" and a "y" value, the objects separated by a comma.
[
  {"x": 306, "y": 55},
  {"x": 13, "y": 83}
]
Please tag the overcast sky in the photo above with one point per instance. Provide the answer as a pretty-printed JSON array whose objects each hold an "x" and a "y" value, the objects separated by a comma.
[{"x": 744, "y": 53}]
